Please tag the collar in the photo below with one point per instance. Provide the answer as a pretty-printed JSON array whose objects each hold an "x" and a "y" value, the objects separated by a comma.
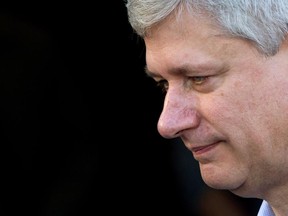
[{"x": 265, "y": 209}]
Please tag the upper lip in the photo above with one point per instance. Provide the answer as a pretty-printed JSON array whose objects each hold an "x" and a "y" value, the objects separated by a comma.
[
  {"x": 200, "y": 147},
  {"x": 197, "y": 141},
  {"x": 197, "y": 147}
]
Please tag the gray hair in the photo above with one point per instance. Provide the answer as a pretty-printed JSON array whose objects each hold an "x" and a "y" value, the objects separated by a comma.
[{"x": 264, "y": 22}]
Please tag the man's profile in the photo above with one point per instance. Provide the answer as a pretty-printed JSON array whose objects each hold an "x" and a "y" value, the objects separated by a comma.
[{"x": 223, "y": 65}]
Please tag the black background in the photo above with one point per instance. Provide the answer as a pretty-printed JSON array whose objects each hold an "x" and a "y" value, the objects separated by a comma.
[{"x": 78, "y": 120}]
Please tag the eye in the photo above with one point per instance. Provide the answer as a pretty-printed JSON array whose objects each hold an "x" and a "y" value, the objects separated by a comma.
[
  {"x": 163, "y": 84},
  {"x": 198, "y": 80}
]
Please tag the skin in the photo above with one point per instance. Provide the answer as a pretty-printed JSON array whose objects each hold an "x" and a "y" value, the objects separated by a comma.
[{"x": 227, "y": 102}]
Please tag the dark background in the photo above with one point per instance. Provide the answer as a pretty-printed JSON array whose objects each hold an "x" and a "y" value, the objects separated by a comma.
[{"x": 78, "y": 121}]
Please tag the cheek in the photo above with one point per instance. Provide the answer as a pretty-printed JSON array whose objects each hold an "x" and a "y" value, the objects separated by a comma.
[
  {"x": 251, "y": 117},
  {"x": 226, "y": 107},
  {"x": 237, "y": 116}
]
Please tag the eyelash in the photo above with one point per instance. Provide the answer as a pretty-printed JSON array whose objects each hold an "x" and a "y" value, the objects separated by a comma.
[{"x": 196, "y": 80}]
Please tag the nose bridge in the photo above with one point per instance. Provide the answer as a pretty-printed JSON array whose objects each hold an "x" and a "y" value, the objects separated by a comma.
[{"x": 179, "y": 113}]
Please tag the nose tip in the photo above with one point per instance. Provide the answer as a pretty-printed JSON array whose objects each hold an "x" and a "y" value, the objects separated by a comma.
[
  {"x": 167, "y": 129},
  {"x": 175, "y": 120},
  {"x": 180, "y": 112}
]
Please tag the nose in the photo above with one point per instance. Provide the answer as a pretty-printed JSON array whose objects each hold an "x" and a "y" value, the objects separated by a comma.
[{"x": 178, "y": 115}]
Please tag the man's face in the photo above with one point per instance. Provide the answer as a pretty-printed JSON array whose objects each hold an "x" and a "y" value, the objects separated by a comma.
[{"x": 228, "y": 103}]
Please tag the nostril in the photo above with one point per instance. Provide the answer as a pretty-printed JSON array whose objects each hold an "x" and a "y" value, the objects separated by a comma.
[{"x": 179, "y": 133}]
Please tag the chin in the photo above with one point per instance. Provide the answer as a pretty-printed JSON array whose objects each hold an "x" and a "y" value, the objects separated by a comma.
[
  {"x": 219, "y": 185},
  {"x": 223, "y": 178},
  {"x": 237, "y": 187},
  {"x": 222, "y": 182}
]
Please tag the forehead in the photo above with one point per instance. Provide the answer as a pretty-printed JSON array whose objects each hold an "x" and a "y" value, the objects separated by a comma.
[
  {"x": 188, "y": 40},
  {"x": 184, "y": 40}
]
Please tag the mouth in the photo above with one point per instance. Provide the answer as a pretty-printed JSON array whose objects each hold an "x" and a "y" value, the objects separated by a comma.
[{"x": 204, "y": 150}]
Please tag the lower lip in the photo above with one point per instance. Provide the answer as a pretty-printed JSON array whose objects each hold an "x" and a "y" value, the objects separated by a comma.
[{"x": 204, "y": 149}]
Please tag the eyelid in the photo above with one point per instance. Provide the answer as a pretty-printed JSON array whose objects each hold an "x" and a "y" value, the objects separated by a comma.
[
  {"x": 199, "y": 80},
  {"x": 196, "y": 80}
]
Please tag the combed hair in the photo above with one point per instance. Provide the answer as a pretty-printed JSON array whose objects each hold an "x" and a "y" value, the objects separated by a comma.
[{"x": 264, "y": 22}]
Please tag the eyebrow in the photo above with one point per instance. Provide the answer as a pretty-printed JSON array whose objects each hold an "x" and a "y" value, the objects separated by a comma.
[{"x": 150, "y": 73}]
